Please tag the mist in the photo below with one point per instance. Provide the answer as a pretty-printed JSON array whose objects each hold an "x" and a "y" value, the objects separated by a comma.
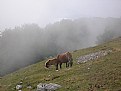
[
  {"x": 29, "y": 43},
  {"x": 42, "y": 12},
  {"x": 33, "y": 30}
]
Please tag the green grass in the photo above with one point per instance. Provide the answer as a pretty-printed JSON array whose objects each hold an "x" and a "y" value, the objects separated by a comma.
[{"x": 104, "y": 73}]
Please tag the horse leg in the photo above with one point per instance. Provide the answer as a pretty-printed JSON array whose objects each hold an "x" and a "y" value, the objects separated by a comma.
[
  {"x": 60, "y": 65},
  {"x": 67, "y": 65},
  {"x": 71, "y": 63},
  {"x": 56, "y": 66}
]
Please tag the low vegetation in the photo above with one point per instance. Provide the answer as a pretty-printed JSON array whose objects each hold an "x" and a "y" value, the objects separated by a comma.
[{"x": 103, "y": 74}]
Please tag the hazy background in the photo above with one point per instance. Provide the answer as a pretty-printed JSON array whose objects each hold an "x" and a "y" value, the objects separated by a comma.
[
  {"x": 16, "y": 12},
  {"x": 32, "y": 30}
]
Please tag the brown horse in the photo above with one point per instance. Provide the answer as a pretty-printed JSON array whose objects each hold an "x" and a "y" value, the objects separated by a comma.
[
  {"x": 65, "y": 58},
  {"x": 50, "y": 62},
  {"x": 62, "y": 58}
]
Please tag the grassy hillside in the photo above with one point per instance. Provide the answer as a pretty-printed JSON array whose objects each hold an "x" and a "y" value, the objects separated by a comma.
[{"x": 104, "y": 73}]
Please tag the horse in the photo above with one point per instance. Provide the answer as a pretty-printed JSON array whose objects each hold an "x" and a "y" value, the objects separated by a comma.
[
  {"x": 61, "y": 58},
  {"x": 65, "y": 58},
  {"x": 50, "y": 62}
]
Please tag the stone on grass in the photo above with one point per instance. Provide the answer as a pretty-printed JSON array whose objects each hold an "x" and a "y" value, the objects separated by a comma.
[{"x": 47, "y": 87}]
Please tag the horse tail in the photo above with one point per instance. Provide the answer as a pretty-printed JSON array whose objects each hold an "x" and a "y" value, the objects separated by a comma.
[{"x": 69, "y": 57}]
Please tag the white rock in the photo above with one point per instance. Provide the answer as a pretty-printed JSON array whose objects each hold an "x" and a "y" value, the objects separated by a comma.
[
  {"x": 29, "y": 87},
  {"x": 88, "y": 68},
  {"x": 18, "y": 87},
  {"x": 48, "y": 87}
]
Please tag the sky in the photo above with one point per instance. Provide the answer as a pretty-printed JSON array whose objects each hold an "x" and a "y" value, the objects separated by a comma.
[{"x": 18, "y": 12}]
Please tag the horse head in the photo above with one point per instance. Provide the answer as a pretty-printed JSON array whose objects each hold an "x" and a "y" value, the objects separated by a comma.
[
  {"x": 50, "y": 62},
  {"x": 47, "y": 64}
]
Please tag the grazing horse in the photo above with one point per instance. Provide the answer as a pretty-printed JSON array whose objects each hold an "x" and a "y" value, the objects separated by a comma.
[
  {"x": 65, "y": 58},
  {"x": 61, "y": 58},
  {"x": 50, "y": 62}
]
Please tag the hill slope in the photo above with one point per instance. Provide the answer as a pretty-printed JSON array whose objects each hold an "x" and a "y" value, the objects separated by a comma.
[{"x": 103, "y": 74}]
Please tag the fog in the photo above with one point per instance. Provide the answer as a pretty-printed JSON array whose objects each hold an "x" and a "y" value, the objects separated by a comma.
[
  {"x": 42, "y": 12},
  {"x": 33, "y": 30},
  {"x": 29, "y": 43}
]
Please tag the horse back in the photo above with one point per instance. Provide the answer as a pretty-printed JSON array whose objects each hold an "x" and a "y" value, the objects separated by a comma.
[{"x": 62, "y": 58}]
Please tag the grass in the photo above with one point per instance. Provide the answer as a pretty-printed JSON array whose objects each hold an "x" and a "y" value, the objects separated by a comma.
[{"x": 103, "y": 74}]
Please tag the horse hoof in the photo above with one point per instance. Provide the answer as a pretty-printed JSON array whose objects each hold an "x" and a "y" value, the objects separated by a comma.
[{"x": 56, "y": 70}]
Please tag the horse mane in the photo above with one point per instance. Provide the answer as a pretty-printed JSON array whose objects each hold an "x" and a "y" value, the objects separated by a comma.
[{"x": 51, "y": 59}]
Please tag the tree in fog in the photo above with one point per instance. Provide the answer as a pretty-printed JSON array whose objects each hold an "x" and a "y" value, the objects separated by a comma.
[
  {"x": 29, "y": 43},
  {"x": 112, "y": 30}
]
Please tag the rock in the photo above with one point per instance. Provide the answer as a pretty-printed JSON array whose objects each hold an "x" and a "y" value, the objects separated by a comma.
[
  {"x": 41, "y": 87},
  {"x": 47, "y": 87},
  {"x": 29, "y": 87},
  {"x": 19, "y": 90},
  {"x": 93, "y": 56},
  {"x": 88, "y": 68},
  {"x": 18, "y": 87}
]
